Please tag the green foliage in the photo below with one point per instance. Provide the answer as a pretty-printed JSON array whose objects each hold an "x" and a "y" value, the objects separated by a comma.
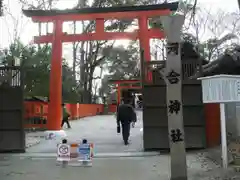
[
  {"x": 87, "y": 56},
  {"x": 121, "y": 64},
  {"x": 35, "y": 63},
  {"x": 91, "y": 55},
  {"x": 210, "y": 49},
  {"x": 155, "y": 23}
]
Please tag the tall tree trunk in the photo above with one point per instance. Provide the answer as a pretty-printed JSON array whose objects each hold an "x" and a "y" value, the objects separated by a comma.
[
  {"x": 82, "y": 69},
  {"x": 74, "y": 52},
  {"x": 82, "y": 66},
  {"x": 163, "y": 50},
  {"x": 90, "y": 81},
  {"x": 47, "y": 29},
  {"x": 101, "y": 77},
  {"x": 39, "y": 32},
  {"x": 95, "y": 92},
  {"x": 87, "y": 59}
]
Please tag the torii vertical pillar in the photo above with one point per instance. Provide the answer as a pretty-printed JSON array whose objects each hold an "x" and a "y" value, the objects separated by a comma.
[
  {"x": 144, "y": 42},
  {"x": 55, "y": 92},
  {"x": 173, "y": 77}
]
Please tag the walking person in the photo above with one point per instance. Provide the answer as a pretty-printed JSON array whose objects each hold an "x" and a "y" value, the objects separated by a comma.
[
  {"x": 65, "y": 116},
  {"x": 125, "y": 116}
]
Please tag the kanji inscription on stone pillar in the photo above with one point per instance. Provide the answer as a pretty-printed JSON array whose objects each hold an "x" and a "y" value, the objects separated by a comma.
[{"x": 173, "y": 78}]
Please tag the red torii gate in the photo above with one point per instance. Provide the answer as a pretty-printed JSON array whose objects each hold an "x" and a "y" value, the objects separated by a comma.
[
  {"x": 144, "y": 34},
  {"x": 129, "y": 85}
]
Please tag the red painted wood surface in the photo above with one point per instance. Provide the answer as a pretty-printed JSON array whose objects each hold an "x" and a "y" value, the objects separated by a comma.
[
  {"x": 55, "y": 90},
  {"x": 119, "y": 87},
  {"x": 112, "y": 108},
  {"x": 144, "y": 34},
  {"x": 213, "y": 129},
  {"x": 98, "y": 36},
  {"x": 40, "y": 110}
]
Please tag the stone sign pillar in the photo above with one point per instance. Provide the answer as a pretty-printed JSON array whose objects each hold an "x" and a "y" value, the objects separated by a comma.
[{"x": 173, "y": 78}]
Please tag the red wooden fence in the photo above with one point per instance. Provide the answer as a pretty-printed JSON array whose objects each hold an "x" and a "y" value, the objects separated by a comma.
[
  {"x": 36, "y": 112},
  {"x": 36, "y": 116}
]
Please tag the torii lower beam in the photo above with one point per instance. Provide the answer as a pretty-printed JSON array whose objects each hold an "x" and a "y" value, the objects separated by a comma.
[{"x": 151, "y": 34}]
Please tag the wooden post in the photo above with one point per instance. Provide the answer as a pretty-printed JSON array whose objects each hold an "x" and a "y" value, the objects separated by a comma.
[
  {"x": 224, "y": 136},
  {"x": 142, "y": 69},
  {"x": 173, "y": 77}
]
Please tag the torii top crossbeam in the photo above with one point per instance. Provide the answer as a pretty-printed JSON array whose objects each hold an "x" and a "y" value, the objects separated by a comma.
[
  {"x": 101, "y": 13},
  {"x": 144, "y": 34}
]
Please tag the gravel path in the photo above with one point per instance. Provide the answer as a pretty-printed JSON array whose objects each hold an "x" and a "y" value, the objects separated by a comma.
[
  {"x": 140, "y": 168},
  {"x": 200, "y": 167}
]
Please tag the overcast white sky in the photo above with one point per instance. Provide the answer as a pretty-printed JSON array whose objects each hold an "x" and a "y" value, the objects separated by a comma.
[{"x": 27, "y": 30}]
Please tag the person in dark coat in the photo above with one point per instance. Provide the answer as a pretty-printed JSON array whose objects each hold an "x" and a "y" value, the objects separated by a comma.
[
  {"x": 125, "y": 116},
  {"x": 65, "y": 116}
]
